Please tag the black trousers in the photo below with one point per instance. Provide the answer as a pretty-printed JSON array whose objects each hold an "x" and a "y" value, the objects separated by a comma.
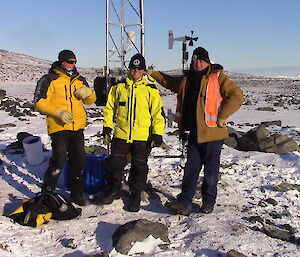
[
  {"x": 66, "y": 144},
  {"x": 117, "y": 161}
]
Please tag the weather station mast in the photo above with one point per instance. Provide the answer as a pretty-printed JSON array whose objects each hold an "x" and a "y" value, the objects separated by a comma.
[
  {"x": 122, "y": 15},
  {"x": 184, "y": 40},
  {"x": 125, "y": 33}
]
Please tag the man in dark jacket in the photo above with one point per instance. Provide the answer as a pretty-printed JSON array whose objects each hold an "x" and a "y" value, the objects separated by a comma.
[
  {"x": 207, "y": 97},
  {"x": 60, "y": 95}
]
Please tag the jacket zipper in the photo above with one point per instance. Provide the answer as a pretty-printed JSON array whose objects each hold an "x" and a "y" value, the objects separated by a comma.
[
  {"x": 134, "y": 111},
  {"x": 66, "y": 92},
  {"x": 128, "y": 101},
  {"x": 130, "y": 113},
  {"x": 71, "y": 101}
]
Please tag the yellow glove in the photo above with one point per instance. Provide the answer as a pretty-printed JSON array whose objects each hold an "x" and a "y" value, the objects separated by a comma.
[
  {"x": 221, "y": 123},
  {"x": 83, "y": 92},
  {"x": 65, "y": 116}
]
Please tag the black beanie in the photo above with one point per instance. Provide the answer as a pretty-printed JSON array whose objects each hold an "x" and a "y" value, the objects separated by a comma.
[
  {"x": 137, "y": 61},
  {"x": 200, "y": 54},
  {"x": 66, "y": 55}
]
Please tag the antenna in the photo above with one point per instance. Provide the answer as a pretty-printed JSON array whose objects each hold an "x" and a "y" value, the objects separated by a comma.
[
  {"x": 120, "y": 15},
  {"x": 185, "y": 54}
]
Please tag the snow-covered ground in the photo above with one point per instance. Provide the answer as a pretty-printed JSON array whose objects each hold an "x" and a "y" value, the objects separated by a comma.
[{"x": 247, "y": 178}]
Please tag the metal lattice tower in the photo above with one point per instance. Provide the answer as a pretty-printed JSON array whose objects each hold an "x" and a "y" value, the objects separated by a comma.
[{"x": 124, "y": 34}]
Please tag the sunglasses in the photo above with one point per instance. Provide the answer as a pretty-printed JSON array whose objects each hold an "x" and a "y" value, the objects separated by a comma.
[
  {"x": 136, "y": 68},
  {"x": 71, "y": 61}
]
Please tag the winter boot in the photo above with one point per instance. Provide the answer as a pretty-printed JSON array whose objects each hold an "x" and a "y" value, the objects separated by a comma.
[
  {"x": 78, "y": 199},
  {"x": 206, "y": 208},
  {"x": 109, "y": 196},
  {"x": 134, "y": 202},
  {"x": 177, "y": 208}
]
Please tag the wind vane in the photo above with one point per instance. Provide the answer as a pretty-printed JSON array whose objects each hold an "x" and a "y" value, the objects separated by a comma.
[{"x": 185, "y": 55}]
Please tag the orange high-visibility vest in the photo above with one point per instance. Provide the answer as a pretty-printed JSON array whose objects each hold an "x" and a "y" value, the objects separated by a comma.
[{"x": 212, "y": 102}]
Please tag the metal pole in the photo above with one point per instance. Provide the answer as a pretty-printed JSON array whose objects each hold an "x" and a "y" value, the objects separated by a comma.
[
  {"x": 122, "y": 27},
  {"x": 107, "y": 40},
  {"x": 142, "y": 27}
]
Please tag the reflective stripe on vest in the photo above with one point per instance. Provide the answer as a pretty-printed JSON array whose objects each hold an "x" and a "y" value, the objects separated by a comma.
[{"x": 213, "y": 100}]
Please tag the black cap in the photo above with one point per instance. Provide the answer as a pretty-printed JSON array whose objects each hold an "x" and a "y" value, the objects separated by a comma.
[
  {"x": 200, "y": 54},
  {"x": 137, "y": 61},
  {"x": 66, "y": 55}
]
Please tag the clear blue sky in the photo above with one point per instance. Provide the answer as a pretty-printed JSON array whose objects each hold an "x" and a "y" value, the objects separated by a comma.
[{"x": 237, "y": 33}]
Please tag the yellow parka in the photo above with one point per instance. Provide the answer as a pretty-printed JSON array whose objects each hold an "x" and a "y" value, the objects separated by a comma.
[
  {"x": 55, "y": 91},
  {"x": 134, "y": 109}
]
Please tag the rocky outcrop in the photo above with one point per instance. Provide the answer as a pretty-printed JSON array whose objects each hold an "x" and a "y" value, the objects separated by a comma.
[{"x": 262, "y": 140}]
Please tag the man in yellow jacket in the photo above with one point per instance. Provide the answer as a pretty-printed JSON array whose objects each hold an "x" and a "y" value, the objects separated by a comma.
[
  {"x": 134, "y": 110},
  {"x": 207, "y": 97},
  {"x": 60, "y": 95}
]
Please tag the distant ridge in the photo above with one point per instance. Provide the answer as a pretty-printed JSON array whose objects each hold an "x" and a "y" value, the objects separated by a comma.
[
  {"x": 285, "y": 71},
  {"x": 25, "y": 68}
]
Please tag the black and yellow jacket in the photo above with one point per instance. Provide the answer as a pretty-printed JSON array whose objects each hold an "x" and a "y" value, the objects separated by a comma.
[
  {"x": 55, "y": 91},
  {"x": 136, "y": 108}
]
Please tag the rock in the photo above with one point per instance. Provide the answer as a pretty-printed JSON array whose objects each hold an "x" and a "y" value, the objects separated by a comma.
[
  {"x": 271, "y": 123},
  {"x": 68, "y": 243},
  {"x": 137, "y": 231},
  {"x": 280, "y": 103},
  {"x": 254, "y": 219},
  {"x": 262, "y": 203},
  {"x": 276, "y": 215},
  {"x": 262, "y": 133},
  {"x": 267, "y": 109},
  {"x": 2, "y": 94},
  {"x": 289, "y": 228},
  {"x": 232, "y": 141},
  {"x": 248, "y": 102},
  {"x": 276, "y": 232},
  {"x": 233, "y": 253},
  {"x": 287, "y": 146},
  {"x": 7, "y": 125},
  {"x": 272, "y": 201},
  {"x": 102, "y": 254},
  {"x": 284, "y": 187},
  {"x": 278, "y": 138},
  {"x": 261, "y": 139},
  {"x": 28, "y": 105},
  {"x": 174, "y": 133}
]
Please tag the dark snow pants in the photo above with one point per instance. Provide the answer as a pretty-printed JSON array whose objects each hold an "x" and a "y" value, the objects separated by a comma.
[
  {"x": 117, "y": 160},
  {"x": 205, "y": 155},
  {"x": 66, "y": 144}
]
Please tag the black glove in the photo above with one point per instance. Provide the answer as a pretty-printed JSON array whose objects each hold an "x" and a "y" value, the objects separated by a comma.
[
  {"x": 155, "y": 140},
  {"x": 184, "y": 135},
  {"x": 106, "y": 135}
]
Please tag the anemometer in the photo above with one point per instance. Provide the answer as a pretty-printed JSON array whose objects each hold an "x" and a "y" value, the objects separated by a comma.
[{"x": 184, "y": 40}]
